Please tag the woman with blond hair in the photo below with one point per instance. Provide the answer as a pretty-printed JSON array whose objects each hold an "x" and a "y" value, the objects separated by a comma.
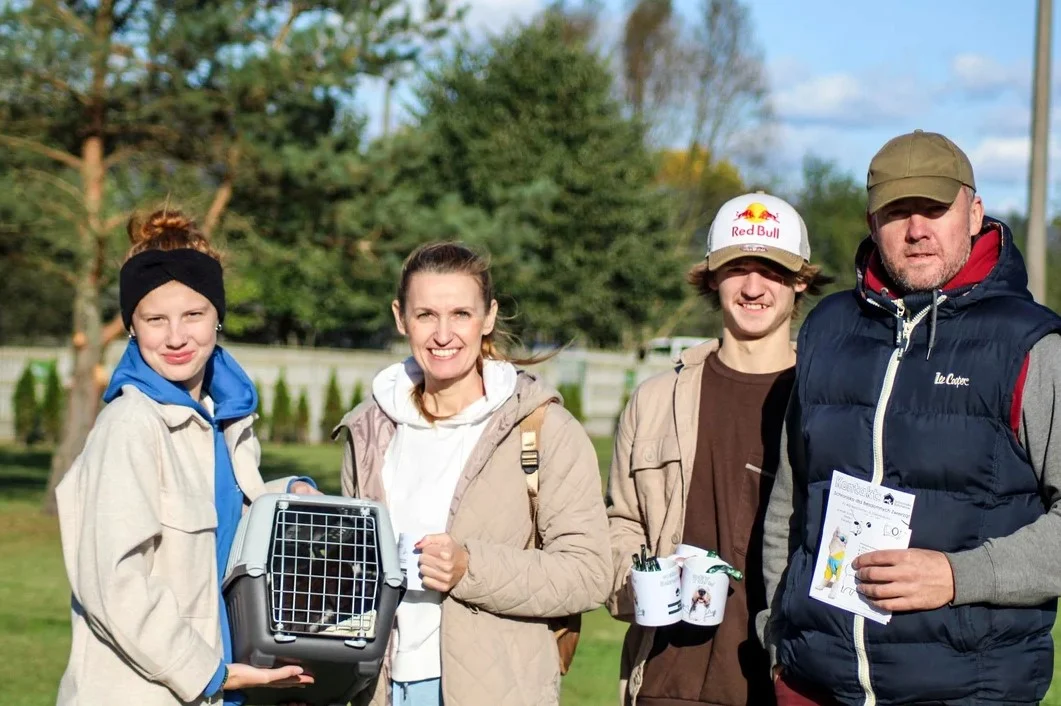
[
  {"x": 149, "y": 509},
  {"x": 440, "y": 444}
]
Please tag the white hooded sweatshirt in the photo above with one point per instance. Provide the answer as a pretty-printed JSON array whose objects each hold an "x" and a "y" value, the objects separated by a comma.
[{"x": 421, "y": 468}]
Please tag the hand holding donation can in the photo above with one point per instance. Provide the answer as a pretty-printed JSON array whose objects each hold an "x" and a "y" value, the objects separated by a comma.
[
  {"x": 657, "y": 592},
  {"x": 692, "y": 585}
]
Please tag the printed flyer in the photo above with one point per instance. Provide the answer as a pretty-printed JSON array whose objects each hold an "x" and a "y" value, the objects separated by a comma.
[{"x": 860, "y": 517}]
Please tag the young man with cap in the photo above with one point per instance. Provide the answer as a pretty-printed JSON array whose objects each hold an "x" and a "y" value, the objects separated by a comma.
[
  {"x": 937, "y": 375},
  {"x": 695, "y": 454}
]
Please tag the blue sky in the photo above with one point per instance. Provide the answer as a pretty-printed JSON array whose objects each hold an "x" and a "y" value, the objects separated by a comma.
[{"x": 846, "y": 76}]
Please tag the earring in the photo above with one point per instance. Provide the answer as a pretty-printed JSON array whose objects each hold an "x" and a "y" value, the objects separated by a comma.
[
  {"x": 132, "y": 334},
  {"x": 219, "y": 327}
]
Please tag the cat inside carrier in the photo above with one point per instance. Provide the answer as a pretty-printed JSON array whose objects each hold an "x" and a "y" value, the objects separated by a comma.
[{"x": 313, "y": 580}]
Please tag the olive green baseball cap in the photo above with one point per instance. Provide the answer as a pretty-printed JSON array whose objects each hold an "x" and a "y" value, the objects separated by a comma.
[{"x": 918, "y": 164}]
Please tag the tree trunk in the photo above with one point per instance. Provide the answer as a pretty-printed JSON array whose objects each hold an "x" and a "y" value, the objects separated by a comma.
[
  {"x": 88, "y": 344},
  {"x": 224, "y": 192},
  {"x": 83, "y": 399}
]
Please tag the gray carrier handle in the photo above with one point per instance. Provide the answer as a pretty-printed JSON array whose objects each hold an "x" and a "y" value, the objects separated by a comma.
[{"x": 249, "y": 555}]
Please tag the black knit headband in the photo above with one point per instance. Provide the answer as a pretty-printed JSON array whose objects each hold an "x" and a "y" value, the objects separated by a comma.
[{"x": 153, "y": 268}]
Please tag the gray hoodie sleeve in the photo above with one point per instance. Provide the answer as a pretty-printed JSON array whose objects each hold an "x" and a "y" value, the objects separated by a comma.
[
  {"x": 1024, "y": 568},
  {"x": 783, "y": 515}
]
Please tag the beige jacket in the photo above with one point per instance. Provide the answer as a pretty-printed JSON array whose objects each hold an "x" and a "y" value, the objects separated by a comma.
[
  {"x": 137, "y": 520},
  {"x": 496, "y": 646},
  {"x": 648, "y": 485}
]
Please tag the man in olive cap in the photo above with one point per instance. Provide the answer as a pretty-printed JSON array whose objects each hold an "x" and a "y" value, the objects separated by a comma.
[{"x": 936, "y": 376}]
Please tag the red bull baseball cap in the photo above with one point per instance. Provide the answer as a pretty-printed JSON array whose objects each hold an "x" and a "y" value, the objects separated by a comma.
[
  {"x": 918, "y": 164},
  {"x": 758, "y": 225}
]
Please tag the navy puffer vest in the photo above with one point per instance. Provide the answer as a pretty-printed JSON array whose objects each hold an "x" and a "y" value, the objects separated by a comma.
[{"x": 946, "y": 437}]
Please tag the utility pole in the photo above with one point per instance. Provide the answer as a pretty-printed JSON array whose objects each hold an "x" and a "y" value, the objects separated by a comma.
[{"x": 1036, "y": 246}]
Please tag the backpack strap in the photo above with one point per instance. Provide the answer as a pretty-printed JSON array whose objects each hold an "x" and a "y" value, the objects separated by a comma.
[
  {"x": 568, "y": 629},
  {"x": 530, "y": 432}
]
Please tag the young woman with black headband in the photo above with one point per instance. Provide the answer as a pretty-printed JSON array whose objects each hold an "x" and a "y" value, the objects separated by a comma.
[{"x": 149, "y": 510}]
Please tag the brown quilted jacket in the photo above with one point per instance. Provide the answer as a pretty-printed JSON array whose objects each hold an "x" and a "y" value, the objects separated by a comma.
[{"x": 496, "y": 646}]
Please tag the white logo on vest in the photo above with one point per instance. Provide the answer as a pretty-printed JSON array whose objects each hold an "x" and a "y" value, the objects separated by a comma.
[{"x": 951, "y": 380}]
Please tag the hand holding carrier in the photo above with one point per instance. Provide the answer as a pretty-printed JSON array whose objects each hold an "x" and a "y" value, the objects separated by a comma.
[{"x": 313, "y": 580}]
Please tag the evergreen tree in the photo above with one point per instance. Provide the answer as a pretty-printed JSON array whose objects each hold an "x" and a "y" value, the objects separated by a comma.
[
  {"x": 261, "y": 425},
  {"x": 529, "y": 129},
  {"x": 282, "y": 422},
  {"x": 52, "y": 406},
  {"x": 358, "y": 395},
  {"x": 522, "y": 151},
  {"x": 24, "y": 403},
  {"x": 125, "y": 102},
  {"x": 572, "y": 394},
  {"x": 301, "y": 430},
  {"x": 833, "y": 205},
  {"x": 333, "y": 407}
]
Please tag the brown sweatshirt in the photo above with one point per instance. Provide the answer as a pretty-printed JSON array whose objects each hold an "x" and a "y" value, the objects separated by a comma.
[{"x": 736, "y": 457}]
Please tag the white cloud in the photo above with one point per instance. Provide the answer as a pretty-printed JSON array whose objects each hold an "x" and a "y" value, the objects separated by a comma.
[
  {"x": 979, "y": 76},
  {"x": 1015, "y": 120},
  {"x": 1007, "y": 121},
  {"x": 847, "y": 101},
  {"x": 786, "y": 71},
  {"x": 496, "y": 15},
  {"x": 1004, "y": 160},
  {"x": 1006, "y": 205},
  {"x": 796, "y": 142},
  {"x": 1001, "y": 168},
  {"x": 1000, "y": 150}
]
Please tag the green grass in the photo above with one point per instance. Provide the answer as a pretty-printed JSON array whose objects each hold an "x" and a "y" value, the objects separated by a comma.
[
  {"x": 34, "y": 596},
  {"x": 34, "y": 605}
]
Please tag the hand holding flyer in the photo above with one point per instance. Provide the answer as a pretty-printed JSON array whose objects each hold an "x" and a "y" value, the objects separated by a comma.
[{"x": 860, "y": 517}]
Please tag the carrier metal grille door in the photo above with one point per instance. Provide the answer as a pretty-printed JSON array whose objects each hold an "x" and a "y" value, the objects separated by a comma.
[{"x": 324, "y": 571}]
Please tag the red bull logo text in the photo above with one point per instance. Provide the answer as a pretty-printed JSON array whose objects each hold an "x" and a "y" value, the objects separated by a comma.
[{"x": 757, "y": 214}]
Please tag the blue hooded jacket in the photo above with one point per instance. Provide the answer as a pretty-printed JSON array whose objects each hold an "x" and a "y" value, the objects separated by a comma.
[{"x": 234, "y": 397}]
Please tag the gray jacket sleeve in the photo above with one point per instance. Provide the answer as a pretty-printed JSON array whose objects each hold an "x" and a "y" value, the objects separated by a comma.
[
  {"x": 1024, "y": 568},
  {"x": 783, "y": 516}
]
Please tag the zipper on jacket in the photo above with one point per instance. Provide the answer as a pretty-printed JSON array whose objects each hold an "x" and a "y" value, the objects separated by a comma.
[{"x": 904, "y": 328}]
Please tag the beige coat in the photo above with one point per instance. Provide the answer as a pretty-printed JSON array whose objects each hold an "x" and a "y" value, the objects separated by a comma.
[
  {"x": 137, "y": 519},
  {"x": 496, "y": 648},
  {"x": 648, "y": 486}
]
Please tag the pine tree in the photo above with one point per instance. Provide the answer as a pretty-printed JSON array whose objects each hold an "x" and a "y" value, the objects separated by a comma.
[
  {"x": 52, "y": 406},
  {"x": 333, "y": 407},
  {"x": 261, "y": 425},
  {"x": 25, "y": 406},
  {"x": 122, "y": 102},
  {"x": 301, "y": 430},
  {"x": 281, "y": 423},
  {"x": 530, "y": 131},
  {"x": 358, "y": 396},
  {"x": 572, "y": 394}
]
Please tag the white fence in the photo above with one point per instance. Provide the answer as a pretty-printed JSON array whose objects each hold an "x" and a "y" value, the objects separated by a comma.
[{"x": 603, "y": 375}]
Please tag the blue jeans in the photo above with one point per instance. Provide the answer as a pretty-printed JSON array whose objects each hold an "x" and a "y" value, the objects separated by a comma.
[{"x": 427, "y": 692}]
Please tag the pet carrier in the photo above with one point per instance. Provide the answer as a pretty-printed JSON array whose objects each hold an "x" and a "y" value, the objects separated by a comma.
[{"x": 313, "y": 580}]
